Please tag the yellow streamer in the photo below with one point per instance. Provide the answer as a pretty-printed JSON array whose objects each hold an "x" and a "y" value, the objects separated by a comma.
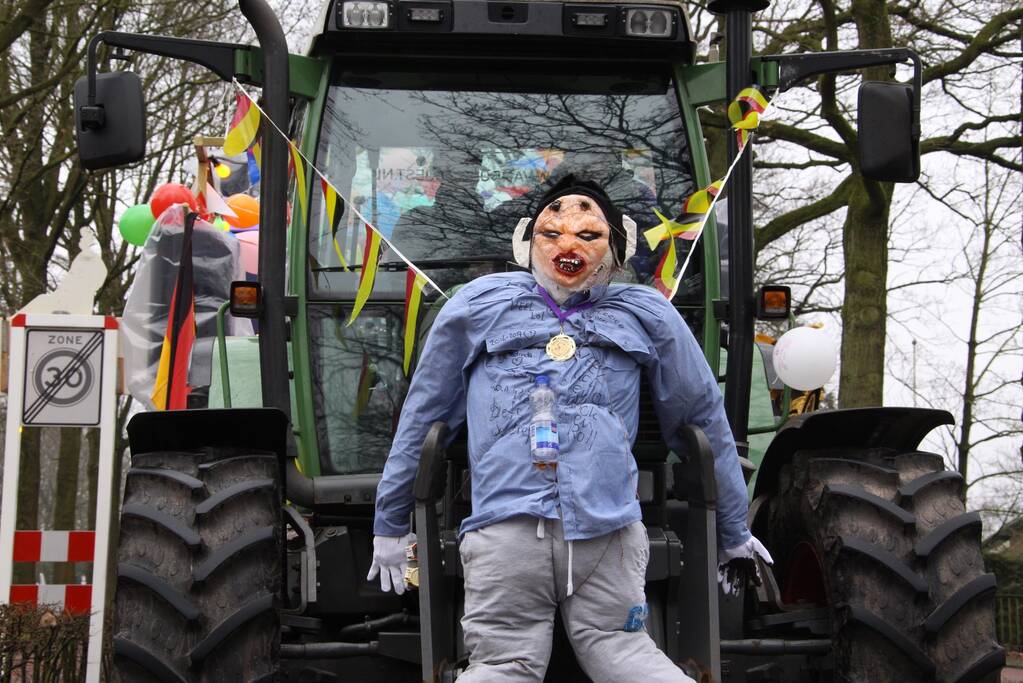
[
  {"x": 666, "y": 228},
  {"x": 414, "y": 297},
  {"x": 369, "y": 272}
]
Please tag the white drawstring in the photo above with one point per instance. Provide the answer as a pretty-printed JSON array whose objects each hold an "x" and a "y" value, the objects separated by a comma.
[
  {"x": 569, "y": 588},
  {"x": 539, "y": 528}
]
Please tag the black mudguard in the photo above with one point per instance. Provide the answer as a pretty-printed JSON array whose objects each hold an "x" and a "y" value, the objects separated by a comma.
[
  {"x": 901, "y": 429},
  {"x": 261, "y": 429}
]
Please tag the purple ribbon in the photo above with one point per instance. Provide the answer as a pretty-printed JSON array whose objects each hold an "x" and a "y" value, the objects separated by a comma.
[{"x": 556, "y": 310}]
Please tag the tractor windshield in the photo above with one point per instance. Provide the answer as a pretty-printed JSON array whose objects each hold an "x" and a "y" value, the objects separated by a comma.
[{"x": 444, "y": 159}]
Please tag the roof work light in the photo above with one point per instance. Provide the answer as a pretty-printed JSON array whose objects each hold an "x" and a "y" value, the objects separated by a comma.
[{"x": 365, "y": 14}]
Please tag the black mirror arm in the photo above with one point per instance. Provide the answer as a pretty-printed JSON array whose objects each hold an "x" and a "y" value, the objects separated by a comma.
[
  {"x": 217, "y": 57},
  {"x": 794, "y": 69}
]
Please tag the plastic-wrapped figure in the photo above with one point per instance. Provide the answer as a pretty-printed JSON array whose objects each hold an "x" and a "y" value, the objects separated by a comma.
[{"x": 561, "y": 531}]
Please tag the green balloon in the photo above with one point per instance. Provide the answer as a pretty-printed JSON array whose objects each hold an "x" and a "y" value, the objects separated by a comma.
[{"x": 135, "y": 224}]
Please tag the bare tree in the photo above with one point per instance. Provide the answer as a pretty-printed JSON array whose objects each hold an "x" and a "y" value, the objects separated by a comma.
[
  {"x": 965, "y": 48},
  {"x": 972, "y": 361},
  {"x": 47, "y": 199}
]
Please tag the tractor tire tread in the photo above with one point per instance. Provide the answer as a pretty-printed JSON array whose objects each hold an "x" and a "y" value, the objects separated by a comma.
[
  {"x": 225, "y": 495},
  {"x": 171, "y": 595},
  {"x": 867, "y": 528},
  {"x": 943, "y": 613},
  {"x": 199, "y": 607},
  {"x": 885, "y": 559},
  {"x": 147, "y": 660},
  {"x": 230, "y": 550}
]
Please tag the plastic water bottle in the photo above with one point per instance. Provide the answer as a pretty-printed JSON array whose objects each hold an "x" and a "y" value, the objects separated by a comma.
[{"x": 543, "y": 431}]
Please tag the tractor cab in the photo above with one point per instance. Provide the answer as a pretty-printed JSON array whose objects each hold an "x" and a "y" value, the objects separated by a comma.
[{"x": 444, "y": 160}]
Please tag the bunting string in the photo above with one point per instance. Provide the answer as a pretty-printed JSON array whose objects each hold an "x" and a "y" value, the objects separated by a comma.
[
  {"x": 744, "y": 113},
  {"x": 374, "y": 237}
]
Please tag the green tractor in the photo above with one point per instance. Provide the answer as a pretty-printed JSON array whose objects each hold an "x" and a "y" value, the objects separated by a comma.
[{"x": 245, "y": 533}]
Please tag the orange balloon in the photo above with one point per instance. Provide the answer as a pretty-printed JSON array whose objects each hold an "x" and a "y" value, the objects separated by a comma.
[
  {"x": 169, "y": 194},
  {"x": 246, "y": 209}
]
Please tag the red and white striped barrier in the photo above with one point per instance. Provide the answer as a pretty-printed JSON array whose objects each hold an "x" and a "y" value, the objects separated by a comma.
[
  {"x": 72, "y": 598},
  {"x": 54, "y": 546}
]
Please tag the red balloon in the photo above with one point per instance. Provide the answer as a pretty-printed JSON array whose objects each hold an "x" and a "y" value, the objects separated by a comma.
[{"x": 169, "y": 194}]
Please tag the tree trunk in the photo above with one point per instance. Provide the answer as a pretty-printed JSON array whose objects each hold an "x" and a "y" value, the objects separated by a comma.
[
  {"x": 65, "y": 498},
  {"x": 92, "y": 472},
  {"x": 865, "y": 249},
  {"x": 865, "y": 309},
  {"x": 966, "y": 420},
  {"x": 28, "y": 495}
]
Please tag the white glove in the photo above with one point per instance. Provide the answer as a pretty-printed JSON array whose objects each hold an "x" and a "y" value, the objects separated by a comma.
[
  {"x": 390, "y": 561},
  {"x": 737, "y": 564}
]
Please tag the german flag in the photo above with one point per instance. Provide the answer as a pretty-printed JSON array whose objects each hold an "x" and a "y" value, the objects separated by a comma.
[
  {"x": 170, "y": 391},
  {"x": 368, "y": 275},
  {"x": 664, "y": 276},
  {"x": 414, "y": 284}
]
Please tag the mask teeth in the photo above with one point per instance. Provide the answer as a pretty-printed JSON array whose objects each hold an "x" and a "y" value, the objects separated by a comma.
[{"x": 572, "y": 263}]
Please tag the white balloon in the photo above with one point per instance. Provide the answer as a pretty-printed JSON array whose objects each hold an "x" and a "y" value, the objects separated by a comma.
[{"x": 805, "y": 358}]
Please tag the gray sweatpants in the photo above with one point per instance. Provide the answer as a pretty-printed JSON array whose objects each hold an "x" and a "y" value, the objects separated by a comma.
[{"x": 514, "y": 580}]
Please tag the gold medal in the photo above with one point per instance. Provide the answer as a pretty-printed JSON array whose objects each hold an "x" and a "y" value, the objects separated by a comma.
[{"x": 561, "y": 347}]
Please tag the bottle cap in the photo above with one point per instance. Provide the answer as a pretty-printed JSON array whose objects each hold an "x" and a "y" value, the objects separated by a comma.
[{"x": 542, "y": 379}]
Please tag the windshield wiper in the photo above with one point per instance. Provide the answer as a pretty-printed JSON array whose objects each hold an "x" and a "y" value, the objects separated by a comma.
[{"x": 456, "y": 262}]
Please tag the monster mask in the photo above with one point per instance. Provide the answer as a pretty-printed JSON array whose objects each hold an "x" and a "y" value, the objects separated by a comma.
[{"x": 575, "y": 240}]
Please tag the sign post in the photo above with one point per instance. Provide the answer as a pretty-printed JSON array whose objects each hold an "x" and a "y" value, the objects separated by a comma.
[{"x": 62, "y": 371}]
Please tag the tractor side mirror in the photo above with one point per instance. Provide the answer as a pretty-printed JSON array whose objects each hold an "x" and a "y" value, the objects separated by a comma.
[
  {"x": 111, "y": 127},
  {"x": 888, "y": 132}
]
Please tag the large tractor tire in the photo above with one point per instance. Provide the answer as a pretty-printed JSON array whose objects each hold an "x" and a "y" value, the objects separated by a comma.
[
  {"x": 199, "y": 568},
  {"x": 885, "y": 540}
]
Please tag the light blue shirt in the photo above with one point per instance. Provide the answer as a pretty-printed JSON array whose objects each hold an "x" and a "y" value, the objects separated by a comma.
[{"x": 478, "y": 368}]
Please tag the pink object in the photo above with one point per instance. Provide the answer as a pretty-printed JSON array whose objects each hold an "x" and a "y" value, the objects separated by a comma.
[{"x": 249, "y": 242}]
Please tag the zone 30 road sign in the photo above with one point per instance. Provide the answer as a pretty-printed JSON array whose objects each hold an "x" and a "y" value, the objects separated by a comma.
[
  {"x": 63, "y": 377},
  {"x": 63, "y": 372}
]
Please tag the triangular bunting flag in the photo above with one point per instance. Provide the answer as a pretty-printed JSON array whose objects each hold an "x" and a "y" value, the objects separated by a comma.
[
  {"x": 700, "y": 201},
  {"x": 244, "y": 127},
  {"x": 335, "y": 205},
  {"x": 298, "y": 168},
  {"x": 216, "y": 204},
  {"x": 664, "y": 276},
  {"x": 687, "y": 227},
  {"x": 414, "y": 283},
  {"x": 369, "y": 272}
]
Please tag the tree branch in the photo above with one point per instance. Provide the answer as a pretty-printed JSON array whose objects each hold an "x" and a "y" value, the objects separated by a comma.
[{"x": 787, "y": 222}]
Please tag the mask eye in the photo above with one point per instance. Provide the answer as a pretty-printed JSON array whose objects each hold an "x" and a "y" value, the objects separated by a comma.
[
  {"x": 550, "y": 234},
  {"x": 588, "y": 236}
]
